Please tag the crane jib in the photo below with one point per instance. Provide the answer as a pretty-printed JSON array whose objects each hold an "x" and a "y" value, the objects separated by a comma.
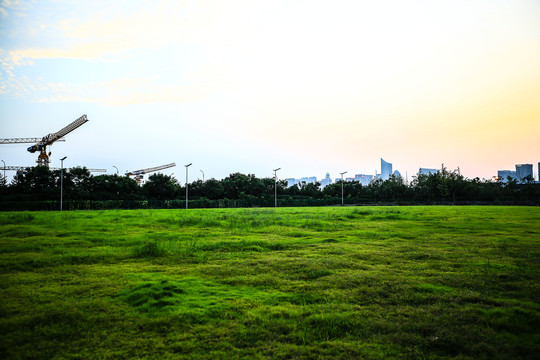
[
  {"x": 41, "y": 144},
  {"x": 57, "y": 136},
  {"x": 50, "y": 138}
]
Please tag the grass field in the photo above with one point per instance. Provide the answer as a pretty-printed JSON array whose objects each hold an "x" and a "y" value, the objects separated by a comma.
[{"x": 336, "y": 283}]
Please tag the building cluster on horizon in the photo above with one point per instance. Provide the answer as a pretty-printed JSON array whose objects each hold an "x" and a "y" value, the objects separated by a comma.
[
  {"x": 302, "y": 181},
  {"x": 364, "y": 179},
  {"x": 522, "y": 172}
]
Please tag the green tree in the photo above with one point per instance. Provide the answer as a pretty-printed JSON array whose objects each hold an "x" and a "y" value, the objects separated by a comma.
[
  {"x": 450, "y": 184},
  {"x": 77, "y": 182},
  {"x": 393, "y": 189},
  {"x": 36, "y": 183},
  {"x": 161, "y": 187},
  {"x": 113, "y": 187}
]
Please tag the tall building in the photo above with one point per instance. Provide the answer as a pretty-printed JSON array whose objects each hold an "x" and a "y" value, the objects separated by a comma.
[
  {"x": 426, "y": 171},
  {"x": 307, "y": 180},
  {"x": 503, "y": 175},
  {"x": 524, "y": 170},
  {"x": 290, "y": 182},
  {"x": 386, "y": 169},
  {"x": 326, "y": 181},
  {"x": 363, "y": 179},
  {"x": 348, "y": 179}
]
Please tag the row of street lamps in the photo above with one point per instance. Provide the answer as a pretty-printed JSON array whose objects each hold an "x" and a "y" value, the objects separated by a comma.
[
  {"x": 62, "y": 180},
  {"x": 187, "y": 194}
]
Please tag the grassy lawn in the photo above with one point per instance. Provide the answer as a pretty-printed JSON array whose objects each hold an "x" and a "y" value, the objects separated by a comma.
[{"x": 348, "y": 282}]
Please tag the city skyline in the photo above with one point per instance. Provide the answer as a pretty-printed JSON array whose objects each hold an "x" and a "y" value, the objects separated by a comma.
[
  {"x": 364, "y": 177},
  {"x": 308, "y": 86}
]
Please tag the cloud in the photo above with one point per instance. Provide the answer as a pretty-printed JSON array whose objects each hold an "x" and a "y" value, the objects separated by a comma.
[
  {"x": 116, "y": 92},
  {"x": 13, "y": 6},
  {"x": 119, "y": 34},
  {"x": 114, "y": 32}
]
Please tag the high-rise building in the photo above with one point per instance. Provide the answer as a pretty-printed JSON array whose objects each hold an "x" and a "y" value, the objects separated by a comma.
[
  {"x": 503, "y": 175},
  {"x": 386, "y": 169},
  {"x": 326, "y": 181},
  {"x": 303, "y": 181},
  {"x": 345, "y": 179},
  {"x": 426, "y": 171},
  {"x": 290, "y": 182},
  {"x": 307, "y": 180},
  {"x": 363, "y": 179},
  {"x": 524, "y": 170}
]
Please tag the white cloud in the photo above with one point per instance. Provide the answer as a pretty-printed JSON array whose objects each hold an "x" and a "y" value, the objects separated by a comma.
[
  {"x": 14, "y": 6},
  {"x": 152, "y": 36}
]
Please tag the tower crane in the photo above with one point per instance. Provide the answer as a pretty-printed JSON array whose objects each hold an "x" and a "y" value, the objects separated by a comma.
[
  {"x": 139, "y": 174},
  {"x": 41, "y": 144}
]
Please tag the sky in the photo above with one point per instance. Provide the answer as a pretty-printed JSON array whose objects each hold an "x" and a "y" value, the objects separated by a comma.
[{"x": 250, "y": 86}]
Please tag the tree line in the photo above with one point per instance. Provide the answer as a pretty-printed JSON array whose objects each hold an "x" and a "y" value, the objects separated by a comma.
[{"x": 41, "y": 184}]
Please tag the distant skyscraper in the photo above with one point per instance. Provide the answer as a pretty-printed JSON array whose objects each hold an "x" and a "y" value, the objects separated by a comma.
[
  {"x": 290, "y": 182},
  {"x": 426, "y": 171},
  {"x": 363, "y": 179},
  {"x": 308, "y": 180},
  {"x": 503, "y": 175},
  {"x": 305, "y": 180},
  {"x": 386, "y": 169},
  {"x": 326, "y": 181},
  {"x": 397, "y": 173},
  {"x": 344, "y": 179},
  {"x": 524, "y": 170}
]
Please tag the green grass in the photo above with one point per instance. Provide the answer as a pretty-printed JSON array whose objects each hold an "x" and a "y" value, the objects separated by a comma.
[{"x": 325, "y": 283}]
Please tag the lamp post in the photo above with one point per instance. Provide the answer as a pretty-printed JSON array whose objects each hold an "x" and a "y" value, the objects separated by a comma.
[
  {"x": 62, "y": 181},
  {"x": 202, "y": 175},
  {"x": 188, "y": 165},
  {"x": 342, "y": 187},
  {"x": 116, "y": 169},
  {"x": 275, "y": 186}
]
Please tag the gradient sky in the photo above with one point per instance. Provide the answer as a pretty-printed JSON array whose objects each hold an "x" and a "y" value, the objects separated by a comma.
[{"x": 249, "y": 86}]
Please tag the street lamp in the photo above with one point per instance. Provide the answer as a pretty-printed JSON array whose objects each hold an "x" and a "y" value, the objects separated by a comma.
[
  {"x": 188, "y": 165},
  {"x": 202, "y": 175},
  {"x": 116, "y": 169},
  {"x": 342, "y": 187},
  {"x": 62, "y": 181},
  {"x": 275, "y": 185}
]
